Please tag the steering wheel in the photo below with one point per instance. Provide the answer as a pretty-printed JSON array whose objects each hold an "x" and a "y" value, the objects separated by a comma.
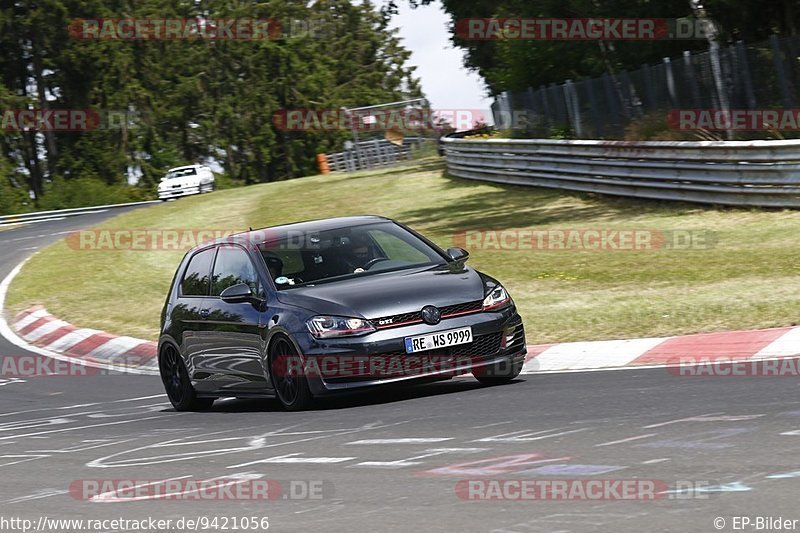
[{"x": 372, "y": 262}]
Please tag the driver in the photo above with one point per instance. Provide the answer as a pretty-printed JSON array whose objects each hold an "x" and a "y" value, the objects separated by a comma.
[{"x": 357, "y": 256}]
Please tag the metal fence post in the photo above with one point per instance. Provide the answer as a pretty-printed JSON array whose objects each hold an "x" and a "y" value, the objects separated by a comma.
[
  {"x": 744, "y": 68},
  {"x": 573, "y": 109},
  {"x": 777, "y": 58},
  {"x": 693, "y": 87},
  {"x": 673, "y": 97},
  {"x": 595, "y": 109},
  {"x": 548, "y": 122}
]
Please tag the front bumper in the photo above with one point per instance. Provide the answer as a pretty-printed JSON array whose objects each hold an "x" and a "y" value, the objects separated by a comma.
[
  {"x": 178, "y": 191},
  {"x": 379, "y": 357}
]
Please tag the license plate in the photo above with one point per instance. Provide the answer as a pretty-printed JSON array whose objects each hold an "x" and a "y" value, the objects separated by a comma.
[{"x": 440, "y": 339}]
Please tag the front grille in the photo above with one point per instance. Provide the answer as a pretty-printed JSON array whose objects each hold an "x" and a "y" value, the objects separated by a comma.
[
  {"x": 515, "y": 337},
  {"x": 458, "y": 309},
  {"x": 399, "y": 364},
  {"x": 397, "y": 320},
  {"x": 481, "y": 345},
  {"x": 415, "y": 317}
]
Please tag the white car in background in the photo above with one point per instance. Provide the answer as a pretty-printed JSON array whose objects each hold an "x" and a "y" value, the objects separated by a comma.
[{"x": 184, "y": 181}]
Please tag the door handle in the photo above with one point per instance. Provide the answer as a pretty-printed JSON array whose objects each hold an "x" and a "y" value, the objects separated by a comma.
[{"x": 205, "y": 313}]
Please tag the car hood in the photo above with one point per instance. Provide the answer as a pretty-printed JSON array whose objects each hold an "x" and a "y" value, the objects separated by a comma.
[{"x": 391, "y": 293}]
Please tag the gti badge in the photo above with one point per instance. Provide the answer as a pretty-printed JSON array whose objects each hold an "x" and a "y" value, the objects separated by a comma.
[{"x": 431, "y": 315}]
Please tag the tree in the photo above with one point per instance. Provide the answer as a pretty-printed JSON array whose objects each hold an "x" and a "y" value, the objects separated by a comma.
[
  {"x": 515, "y": 65},
  {"x": 185, "y": 101}
]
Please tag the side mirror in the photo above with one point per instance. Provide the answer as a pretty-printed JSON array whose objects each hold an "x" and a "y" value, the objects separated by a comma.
[
  {"x": 458, "y": 254},
  {"x": 238, "y": 293}
]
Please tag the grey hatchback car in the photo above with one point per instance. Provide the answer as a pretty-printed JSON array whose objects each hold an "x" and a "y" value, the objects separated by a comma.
[{"x": 304, "y": 310}]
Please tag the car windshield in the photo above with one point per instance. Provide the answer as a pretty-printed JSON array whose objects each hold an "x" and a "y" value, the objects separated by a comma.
[
  {"x": 301, "y": 258},
  {"x": 179, "y": 173}
]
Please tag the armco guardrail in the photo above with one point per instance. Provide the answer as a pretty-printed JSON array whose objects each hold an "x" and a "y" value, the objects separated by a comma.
[
  {"x": 371, "y": 154},
  {"x": 754, "y": 173},
  {"x": 48, "y": 215}
]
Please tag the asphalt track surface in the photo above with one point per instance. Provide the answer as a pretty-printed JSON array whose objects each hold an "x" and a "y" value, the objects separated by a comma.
[{"x": 391, "y": 460}]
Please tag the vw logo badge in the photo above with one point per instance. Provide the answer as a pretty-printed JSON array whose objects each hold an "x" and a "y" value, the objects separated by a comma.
[{"x": 431, "y": 315}]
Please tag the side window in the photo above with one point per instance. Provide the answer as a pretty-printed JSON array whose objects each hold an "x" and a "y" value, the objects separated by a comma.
[
  {"x": 195, "y": 279},
  {"x": 233, "y": 266},
  {"x": 283, "y": 262}
]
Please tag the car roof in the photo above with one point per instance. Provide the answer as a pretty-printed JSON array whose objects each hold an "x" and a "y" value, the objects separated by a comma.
[
  {"x": 185, "y": 167},
  {"x": 323, "y": 224}
]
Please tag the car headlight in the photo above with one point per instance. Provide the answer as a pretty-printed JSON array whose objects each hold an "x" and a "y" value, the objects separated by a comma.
[
  {"x": 497, "y": 298},
  {"x": 325, "y": 327}
]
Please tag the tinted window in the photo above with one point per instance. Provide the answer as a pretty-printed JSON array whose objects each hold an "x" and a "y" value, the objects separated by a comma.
[
  {"x": 181, "y": 172},
  {"x": 394, "y": 247},
  {"x": 296, "y": 258},
  {"x": 195, "y": 280},
  {"x": 233, "y": 266}
]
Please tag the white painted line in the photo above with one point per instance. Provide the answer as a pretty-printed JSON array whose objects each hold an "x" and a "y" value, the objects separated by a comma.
[
  {"x": 44, "y": 329},
  {"x": 42, "y": 493},
  {"x": 133, "y": 421},
  {"x": 522, "y": 436},
  {"x": 686, "y": 419},
  {"x": 140, "y": 398},
  {"x": 30, "y": 318},
  {"x": 292, "y": 459},
  {"x": 29, "y": 237},
  {"x": 20, "y": 458},
  {"x": 71, "y": 339},
  {"x": 74, "y": 211},
  {"x": 654, "y": 461},
  {"x": 413, "y": 461},
  {"x": 25, "y": 223},
  {"x": 786, "y": 345},
  {"x": 590, "y": 355},
  {"x": 494, "y": 424},
  {"x": 629, "y": 439},
  {"x": 409, "y": 440}
]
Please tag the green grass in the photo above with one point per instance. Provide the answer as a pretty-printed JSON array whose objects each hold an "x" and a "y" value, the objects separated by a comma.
[{"x": 749, "y": 279}]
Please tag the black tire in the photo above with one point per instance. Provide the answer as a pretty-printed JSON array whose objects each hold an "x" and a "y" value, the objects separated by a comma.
[
  {"x": 291, "y": 387},
  {"x": 177, "y": 384},
  {"x": 499, "y": 373}
]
